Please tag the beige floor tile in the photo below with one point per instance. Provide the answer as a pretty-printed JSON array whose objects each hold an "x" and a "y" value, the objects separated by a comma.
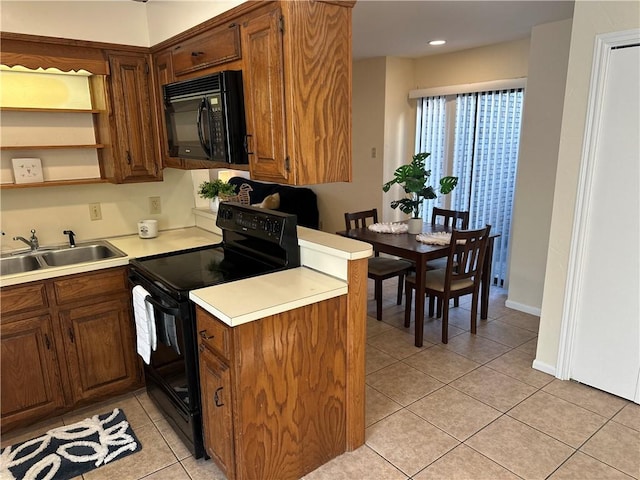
[
  {"x": 202, "y": 469},
  {"x": 520, "y": 448},
  {"x": 378, "y": 406},
  {"x": 179, "y": 449},
  {"x": 554, "y": 416},
  {"x": 174, "y": 472},
  {"x": 618, "y": 446},
  {"x": 629, "y": 416},
  {"x": 493, "y": 388},
  {"x": 150, "y": 408},
  {"x": 441, "y": 363},
  {"x": 455, "y": 413},
  {"x": 584, "y": 467},
  {"x": 402, "y": 383},
  {"x": 432, "y": 330},
  {"x": 529, "y": 348},
  {"x": 136, "y": 416},
  {"x": 504, "y": 333},
  {"x": 24, "y": 434},
  {"x": 361, "y": 464},
  {"x": 464, "y": 463},
  {"x": 584, "y": 396},
  {"x": 396, "y": 343},
  {"x": 408, "y": 442},
  {"x": 376, "y": 327},
  {"x": 517, "y": 364},
  {"x": 155, "y": 455},
  {"x": 521, "y": 320},
  {"x": 476, "y": 348},
  {"x": 376, "y": 359}
]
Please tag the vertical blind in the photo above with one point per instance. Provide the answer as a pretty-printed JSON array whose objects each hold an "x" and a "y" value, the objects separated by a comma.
[{"x": 482, "y": 152}]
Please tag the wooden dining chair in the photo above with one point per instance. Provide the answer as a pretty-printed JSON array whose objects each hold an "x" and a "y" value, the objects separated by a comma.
[
  {"x": 380, "y": 268},
  {"x": 461, "y": 276},
  {"x": 451, "y": 219}
]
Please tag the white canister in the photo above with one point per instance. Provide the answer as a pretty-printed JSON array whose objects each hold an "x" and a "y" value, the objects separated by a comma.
[{"x": 148, "y": 228}]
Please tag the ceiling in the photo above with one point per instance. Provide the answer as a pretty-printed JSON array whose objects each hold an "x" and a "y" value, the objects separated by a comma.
[{"x": 402, "y": 28}]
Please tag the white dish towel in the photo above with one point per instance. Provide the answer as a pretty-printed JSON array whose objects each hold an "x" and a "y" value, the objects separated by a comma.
[{"x": 146, "y": 339}]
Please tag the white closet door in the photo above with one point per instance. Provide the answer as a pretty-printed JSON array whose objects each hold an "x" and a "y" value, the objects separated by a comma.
[{"x": 606, "y": 349}]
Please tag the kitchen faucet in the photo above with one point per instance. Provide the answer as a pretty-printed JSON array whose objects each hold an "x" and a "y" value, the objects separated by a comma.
[
  {"x": 72, "y": 241},
  {"x": 32, "y": 242}
]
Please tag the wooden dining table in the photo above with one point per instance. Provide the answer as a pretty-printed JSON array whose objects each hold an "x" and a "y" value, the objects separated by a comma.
[{"x": 406, "y": 246}]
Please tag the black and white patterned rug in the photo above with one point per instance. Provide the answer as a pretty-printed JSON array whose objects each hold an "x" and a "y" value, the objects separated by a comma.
[{"x": 66, "y": 452}]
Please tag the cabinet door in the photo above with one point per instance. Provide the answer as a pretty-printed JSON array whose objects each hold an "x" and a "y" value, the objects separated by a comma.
[
  {"x": 163, "y": 65},
  {"x": 30, "y": 382},
  {"x": 217, "y": 46},
  {"x": 215, "y": 396},
  {"x": 100, "y": 349},
  {"x": 135, "y": 148},
  {"x": 264, "y": 97}
]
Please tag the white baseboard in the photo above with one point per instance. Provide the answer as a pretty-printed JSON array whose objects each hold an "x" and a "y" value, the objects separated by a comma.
[
  {"x": 521, "y": 307},
  {"x": 545, "y": 368}
]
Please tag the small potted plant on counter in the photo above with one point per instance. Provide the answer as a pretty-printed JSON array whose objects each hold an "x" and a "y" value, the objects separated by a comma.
[
  {"x": 216, "y": 190},
  {"x": 413, "y": 178}
]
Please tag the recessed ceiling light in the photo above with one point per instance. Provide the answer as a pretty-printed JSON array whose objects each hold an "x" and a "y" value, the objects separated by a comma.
[{"x": 435, "y": 43}]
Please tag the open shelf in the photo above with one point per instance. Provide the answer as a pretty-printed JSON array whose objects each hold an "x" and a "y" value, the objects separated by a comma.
[
  {"x": 53, "y": 183},
  {"x": 49, "y": 110},
  {"x": 49, "y": 147}
]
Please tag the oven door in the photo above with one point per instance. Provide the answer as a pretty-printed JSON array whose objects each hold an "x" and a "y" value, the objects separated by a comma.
[{"x": 173, "y": 367}]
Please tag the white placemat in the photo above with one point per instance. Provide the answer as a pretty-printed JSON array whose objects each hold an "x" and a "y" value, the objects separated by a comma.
[
  {"x": 435, "y": 238},
  {"x": 389, "y": 227}
]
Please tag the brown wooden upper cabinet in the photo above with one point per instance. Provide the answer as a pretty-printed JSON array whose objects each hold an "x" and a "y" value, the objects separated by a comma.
[
  {"x": 296, "y": 63},
  {"x": 134, "y": 129},
  {"x": 214, "y": 47}
]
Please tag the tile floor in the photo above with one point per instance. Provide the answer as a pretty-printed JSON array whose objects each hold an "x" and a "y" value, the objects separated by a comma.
[{"x": 471, "y": 409}]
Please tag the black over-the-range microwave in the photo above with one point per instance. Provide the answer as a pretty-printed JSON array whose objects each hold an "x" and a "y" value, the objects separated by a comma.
[{"x": 205, "y": 118}]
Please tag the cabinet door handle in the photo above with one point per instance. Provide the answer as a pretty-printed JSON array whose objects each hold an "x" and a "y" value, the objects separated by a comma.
[
  {"x": 128, "y": 157},
  {"x": 246, "y": 144},
  {"x": 203, "y": 334},
  {"x": 195, "y": 54},
  {"x": 47, "y": 343},
  {"x": 71, "y": 335},
  {"x": 216, "y": 397}
]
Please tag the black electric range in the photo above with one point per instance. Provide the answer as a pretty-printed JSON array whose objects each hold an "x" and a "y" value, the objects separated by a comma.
[{"x": 254, "y": 242}]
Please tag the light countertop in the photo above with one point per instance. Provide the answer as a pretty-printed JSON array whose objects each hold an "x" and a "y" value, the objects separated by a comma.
[
  {"x": 246, "y": 300},
  {"x": 241, "y": 301}
]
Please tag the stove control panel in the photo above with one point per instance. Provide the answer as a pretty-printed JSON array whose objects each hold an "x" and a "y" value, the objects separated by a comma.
[{"x": 256, "y": 222}]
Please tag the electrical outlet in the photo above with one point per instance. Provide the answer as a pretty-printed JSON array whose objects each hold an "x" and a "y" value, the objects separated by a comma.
[
  {"x": 155, "y": 208},
  {"x": 374, "y": 152},
  {"x": 95, "y": 212}
]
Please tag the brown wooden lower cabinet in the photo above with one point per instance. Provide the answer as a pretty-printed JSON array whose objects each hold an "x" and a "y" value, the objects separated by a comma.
[
  {"x": 64, "y": 345},
  {"x": 273, "y": 391}
]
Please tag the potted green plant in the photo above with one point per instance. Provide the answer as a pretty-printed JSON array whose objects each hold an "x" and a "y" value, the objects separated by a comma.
[
  {"x": 215, "y": 189},
  {"x": 413, "y": 178}
]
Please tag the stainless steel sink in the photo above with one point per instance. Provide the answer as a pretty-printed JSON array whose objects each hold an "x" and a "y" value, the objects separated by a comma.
[
  {"x": 49, "y": 257},
  {"x": 80, "y": 254},
  {"x": 19, "y": 264}
]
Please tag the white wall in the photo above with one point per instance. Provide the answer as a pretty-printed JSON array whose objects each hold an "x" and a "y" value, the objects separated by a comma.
[
  {"x": 124, "y": 22},
  {"x": 537, "y": 162},
  {"x": 590, "y": 19}
]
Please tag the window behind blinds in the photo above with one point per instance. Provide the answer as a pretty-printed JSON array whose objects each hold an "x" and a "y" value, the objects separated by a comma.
[{"x": 476, "y": 138}]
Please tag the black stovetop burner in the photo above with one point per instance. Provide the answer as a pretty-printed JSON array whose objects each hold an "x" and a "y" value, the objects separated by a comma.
[
  {"x": 200, "y": 267},
  {"x": 255, "y": 241}
]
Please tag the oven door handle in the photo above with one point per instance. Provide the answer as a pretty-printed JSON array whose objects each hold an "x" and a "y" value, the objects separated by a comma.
[{"x": 162, "y": 308}]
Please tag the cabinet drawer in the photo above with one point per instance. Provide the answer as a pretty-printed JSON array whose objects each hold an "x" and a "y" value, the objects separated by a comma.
[
  {"x": 213, "y": 333},
  {"x": 23, "y": 298},
  {"x": 206, "y": 50},
  {"x": 90, "y": 286}
]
